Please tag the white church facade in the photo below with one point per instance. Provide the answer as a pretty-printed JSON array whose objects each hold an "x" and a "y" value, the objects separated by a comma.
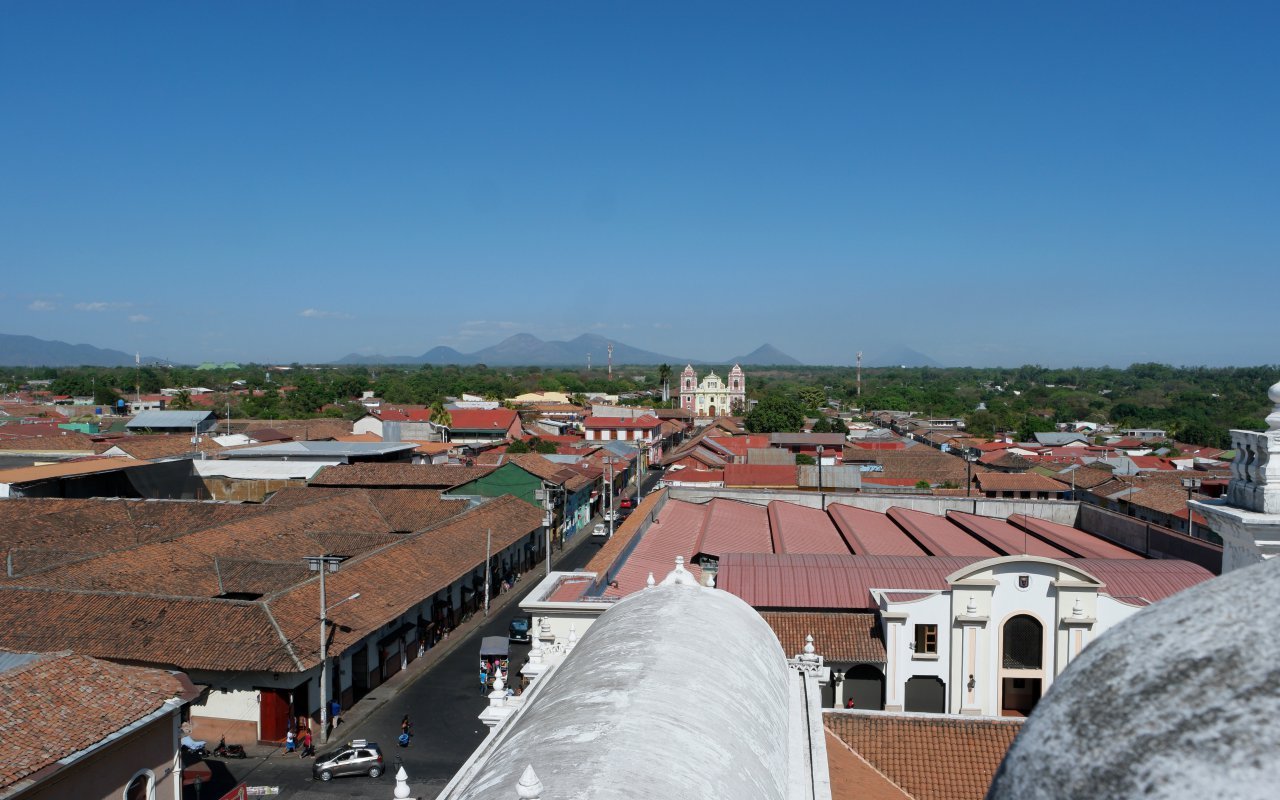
[{"x": 713, "y": 396}]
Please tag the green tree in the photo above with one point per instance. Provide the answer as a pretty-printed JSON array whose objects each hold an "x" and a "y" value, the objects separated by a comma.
[
  {"x": 182, "y": 401},
  {"x": 519, "y": 446},
  {"x": 812, "y": 397},
  {"x": 922, "y": 484},
  {"x": 775, "y": 413},
  {"x": 804, "y": 459}
]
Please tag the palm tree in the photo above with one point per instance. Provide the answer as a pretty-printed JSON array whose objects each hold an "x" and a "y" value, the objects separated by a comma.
[
  {"x": 182, "y": 401},
  {"x": 664, "y": 376}
]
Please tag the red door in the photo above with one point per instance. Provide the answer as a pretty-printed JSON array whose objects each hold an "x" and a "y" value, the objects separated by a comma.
[{"x": 273, "y": 714}]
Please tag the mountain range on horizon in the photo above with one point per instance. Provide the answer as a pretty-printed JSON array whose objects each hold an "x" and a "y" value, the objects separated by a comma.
[
  {"x": 525, "y": 349},
  {"x": 521, "y": 349}
]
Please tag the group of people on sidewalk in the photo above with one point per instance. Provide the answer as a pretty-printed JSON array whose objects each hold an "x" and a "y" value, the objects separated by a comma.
[{"x": 300, "y": 742}]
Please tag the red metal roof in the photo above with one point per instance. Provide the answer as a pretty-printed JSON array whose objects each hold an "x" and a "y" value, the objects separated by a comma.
[
  {"x": 1004, "y": 537},
  {"x": 674, "y": 533},
  {"x": 800, "y": 529},
  {"x": 475, "y": 419},
  {"x": 622, "y": 423},
  {"x": 1071, "y": 540},
  {"x": 829, "y": 581},
  {"x": 938, "y": 536},
  {"x": 845, "y": 582},
  {"x": 734, "y": 527},
  {"x": 760, "y": 475},
  {"x": 870, "y": 533}
]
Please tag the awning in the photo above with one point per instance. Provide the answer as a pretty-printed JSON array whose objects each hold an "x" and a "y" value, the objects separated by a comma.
[{"x": 494, "y": 647}]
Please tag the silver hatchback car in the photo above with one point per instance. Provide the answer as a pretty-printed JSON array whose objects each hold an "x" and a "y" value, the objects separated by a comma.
[{"x": 356, "y": 757}]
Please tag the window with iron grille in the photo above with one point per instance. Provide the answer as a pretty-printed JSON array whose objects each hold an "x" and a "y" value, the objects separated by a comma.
[{"x": 1023, "y": 643}]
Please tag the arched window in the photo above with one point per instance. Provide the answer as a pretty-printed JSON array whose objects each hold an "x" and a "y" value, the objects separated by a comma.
[
  {"x": 1023, "y": 643},
  {"x": 142, "y": 786}
]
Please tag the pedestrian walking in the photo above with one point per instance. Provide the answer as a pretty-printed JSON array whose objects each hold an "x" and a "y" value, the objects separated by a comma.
[
  {"x": 289, "y": 741},
  {"x": 335, "y": 713},
  {"x": 484, "y": 680},
  {"x": 308, "y": 749}
]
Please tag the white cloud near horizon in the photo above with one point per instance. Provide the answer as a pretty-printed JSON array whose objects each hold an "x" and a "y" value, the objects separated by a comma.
[
  {"x": 99, "y": 305},
  {"x": 139, "y": 318},
  {"x": 41, "y": 305},
  {"x": 316, "y": 313}
]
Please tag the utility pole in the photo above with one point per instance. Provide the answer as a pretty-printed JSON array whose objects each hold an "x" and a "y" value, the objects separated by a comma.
[
  {"x": 488, "y": 545},
  {"x": 859, "y": 373},
  {"x": 610, "y": 360},
  {"x": 323, "y": 564},
  {"x": 548, "y": 517}
]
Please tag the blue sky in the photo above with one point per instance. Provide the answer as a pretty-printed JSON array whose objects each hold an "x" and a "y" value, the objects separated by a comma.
[{"x": 987, "y": 183}]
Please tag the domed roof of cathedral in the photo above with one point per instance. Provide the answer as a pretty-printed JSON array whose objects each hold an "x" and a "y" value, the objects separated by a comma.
[
  {"x": 678, "y": 691},
  {"x": 1181, "y": 700}
]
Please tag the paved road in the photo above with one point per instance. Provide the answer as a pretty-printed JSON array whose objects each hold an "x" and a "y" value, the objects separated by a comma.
[{"x": 444, "y": 703}]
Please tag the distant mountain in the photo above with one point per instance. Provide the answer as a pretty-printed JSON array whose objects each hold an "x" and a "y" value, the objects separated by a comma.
[
  {"x": 766, "y": 355},
  {"x": 898, "y": 357},
  {"x": 28, "y": 351},
  {"x": 527, "y": 350}
]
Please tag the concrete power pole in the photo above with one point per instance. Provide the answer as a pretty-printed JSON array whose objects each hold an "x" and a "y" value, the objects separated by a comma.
[
  {"x": 859, "y": 373},
  {"x": 610, "y": 360}
]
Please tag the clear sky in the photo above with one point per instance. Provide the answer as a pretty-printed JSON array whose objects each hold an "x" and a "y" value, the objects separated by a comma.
[{"x": 987, "y": 183}]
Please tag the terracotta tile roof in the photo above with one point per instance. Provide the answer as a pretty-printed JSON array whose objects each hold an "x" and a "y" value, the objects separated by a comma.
[
  {"x": 918, "y": 463},
  {"x": 69, "y": 441},
  {"x": 932, "y": 757},
  {"x": 1018, "y": 482},
  {"x": 61, "y": 703},
  {"x": 395, "y": 476},
  {"x": 839, "y": 637},
  {"x": 852, "y": 778},
  {"x": 404, "y": 510},
  {"x": 146, "y": 447},
  {"x": 621, "y": 423},
  {"x": 157, "y": 606},
  {"x": 694, "y": 476},
  {"x": 311, "y": 429}
]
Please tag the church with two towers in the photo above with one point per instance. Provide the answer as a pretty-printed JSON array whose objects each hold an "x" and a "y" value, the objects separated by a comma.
[{"x": 712, "y": 396}]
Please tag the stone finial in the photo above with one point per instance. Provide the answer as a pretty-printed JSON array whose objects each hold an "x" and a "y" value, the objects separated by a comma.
[
  {"x": 572, "y": 640},
  {"x": 544, "y": 627},
  {"x": 679, "y": 563},
  {"x": 1273, "y": 419},
  {"x": 529, "y": 787},
  {"x": 402, "y": 784},
  {"x": 1077, "y": 610},
  {"x": 680, "y": 576},
  {"x": 649, "y": 582},
  {"x": 535, "y": 651},
  {"x": 971, "y": 609},
  {"x": 498, "y": 684},
  {"x": 808, "y": 645}
]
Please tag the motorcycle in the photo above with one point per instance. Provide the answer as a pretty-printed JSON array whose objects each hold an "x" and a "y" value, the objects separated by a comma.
[
  {"x": 194, "y": 750},
  {"x": 224, "y": 750}
]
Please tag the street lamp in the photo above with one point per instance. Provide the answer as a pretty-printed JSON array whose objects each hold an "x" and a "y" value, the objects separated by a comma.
[
  {"x": 323, "y": 564},
  {"x": 1191, "y": 484}
]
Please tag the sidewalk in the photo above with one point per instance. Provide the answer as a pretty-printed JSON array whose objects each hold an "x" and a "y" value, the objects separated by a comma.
[{"x": 387, "y": 690}]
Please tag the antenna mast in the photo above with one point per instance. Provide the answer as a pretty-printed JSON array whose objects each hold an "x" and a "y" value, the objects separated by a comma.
[
  {"x": 859, "y": 373},
  {"x": 610, "y": 360}
]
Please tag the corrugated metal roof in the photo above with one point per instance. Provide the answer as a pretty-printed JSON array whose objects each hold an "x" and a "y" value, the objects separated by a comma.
[
  {"x": 837, "y": 477},
  {"x": 829, "y": 581},
  {"x": 872, "y": 533},
  {"x": 10, "y": 660},
  {"x": 845, "y": 582},
  {"x": 169, "y": 419},
  {"x": 938, "y": 536},
  {"x": 1004, "y": 537},
  {"x": 800, "y": 529},
  {"x": 735, "y": 527},
  {"x": 1071, "y": 540},
  {"x": 674, "y": 533}
]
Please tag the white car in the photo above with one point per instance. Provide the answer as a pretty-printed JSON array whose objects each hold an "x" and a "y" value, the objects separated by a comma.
[
  {"x": 611, "y": 514},
  {"x": 599, "y": 530}
]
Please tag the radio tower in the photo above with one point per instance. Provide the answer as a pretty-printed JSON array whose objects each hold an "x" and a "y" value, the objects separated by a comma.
[
  {"x": 610, "y": 360},
  {"x": 588, "y": 361},
  {"x": 859, "y": 373}
]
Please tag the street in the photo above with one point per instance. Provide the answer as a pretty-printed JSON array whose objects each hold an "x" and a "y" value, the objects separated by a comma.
[{"x": 443, "y": 702}]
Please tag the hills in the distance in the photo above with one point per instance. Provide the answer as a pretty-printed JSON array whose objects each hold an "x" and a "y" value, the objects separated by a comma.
[
  {"x": 27, "y": 351},
  {"x": 525, "y": 349},
  {"x": 522, "y": 349}
]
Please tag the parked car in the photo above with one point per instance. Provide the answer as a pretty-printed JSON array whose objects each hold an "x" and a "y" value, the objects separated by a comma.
[
  {"x": 624, "y": 502},
  {"x": 357, "y": 757},
  {"x": 611, "y": 515},
  {"x": 600, "y": 530},
  {"x": 519, "y": 630}
]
